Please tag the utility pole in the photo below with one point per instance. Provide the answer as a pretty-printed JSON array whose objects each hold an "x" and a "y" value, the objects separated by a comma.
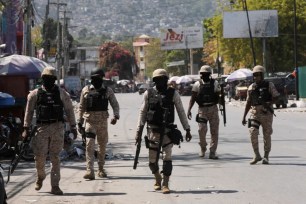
[
  {"x": 250, "y": 31},
  {"x": 27, "y": 42},
  {"x": 296, "y": 66},
  {"x": 46, "y": 41},
  {"x": 65, "y": 43},
  {"x": 58, "y": 48}
]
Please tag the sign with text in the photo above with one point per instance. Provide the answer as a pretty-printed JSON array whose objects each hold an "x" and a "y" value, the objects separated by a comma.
[{"x": 181, "y": 38}]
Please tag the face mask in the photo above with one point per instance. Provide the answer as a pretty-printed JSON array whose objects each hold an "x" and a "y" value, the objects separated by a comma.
[
  {"x": 48, "y": 82},
  {"x": 161, "y": 83},
  {"x": 97, "y": 82},
  {"x": 205, "y": 77}
]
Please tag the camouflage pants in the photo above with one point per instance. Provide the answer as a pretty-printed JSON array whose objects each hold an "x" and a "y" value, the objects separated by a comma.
[
  {"x": 100, "y": 128},
  {"x": 265, "y": 121},
  {"x": 212, "y": 116},
  {"x": 48, "y": 138},
  {"x": 167, "y": 150}
]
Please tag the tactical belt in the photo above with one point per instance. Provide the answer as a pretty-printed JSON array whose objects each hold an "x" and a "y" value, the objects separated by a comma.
[
  {"x": 206, "y": 105},
  {"x": 47, "y": 121}
]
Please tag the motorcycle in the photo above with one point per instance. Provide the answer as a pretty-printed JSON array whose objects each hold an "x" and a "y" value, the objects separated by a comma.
[{"x": 10, "y": 138}]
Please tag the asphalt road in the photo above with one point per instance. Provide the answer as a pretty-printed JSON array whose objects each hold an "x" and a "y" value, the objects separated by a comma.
[{"x": 194, "y": 180}]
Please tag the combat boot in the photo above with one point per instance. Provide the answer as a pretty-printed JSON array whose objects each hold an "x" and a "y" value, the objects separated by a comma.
[
  {"x": 165, "y": 188},
  {"x": 256, "y": 158},
  {"x": 38, "y": 184},
  {"x": 89, "y": 175},
  {"x": 212, "y": 155},
  {"x": 101, "y": 173},
  {"x": 158, "y": 180},
  {"x": 266, "y": 158},
  {"x": 202, "y": 153},
  {"x": 56, "y": 190}
]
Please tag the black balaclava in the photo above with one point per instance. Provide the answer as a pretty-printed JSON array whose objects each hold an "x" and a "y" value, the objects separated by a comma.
[
  {"x": 48, "y": 82},
  {"x": 97, "y": 82},
  {"x": 205, "y": 76},
  {"x": 258, "y": 77},
  {"x": 161, "y": 83}
]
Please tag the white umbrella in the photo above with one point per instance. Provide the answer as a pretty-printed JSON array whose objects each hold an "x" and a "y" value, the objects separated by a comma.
[
  {"x": 183, "y": 79},
  {"x": 240, "y": 74},
  {"x": 22, "y": 65},
  {"x": 174, "y": 78},
  {"x": 123, "y": 82}
]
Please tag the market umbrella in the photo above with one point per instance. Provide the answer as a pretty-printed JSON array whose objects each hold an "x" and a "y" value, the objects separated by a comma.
[
  {"x": 173, "y": 78},
  {"x": 183, "y": 79},
  {"x": 240, "y": 74},
  {"x": 123, "y": 82},
  {"x": 22, "y": 65}
]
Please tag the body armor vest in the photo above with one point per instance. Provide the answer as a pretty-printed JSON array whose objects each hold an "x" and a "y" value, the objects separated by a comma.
[
  {"x": 261, "y": 94},
  {"x": 49, "y": 106},
  {"x": 157, "y": 103},
  {"x": 207, "y": 94},
  {"x": 97, "y": 101}
]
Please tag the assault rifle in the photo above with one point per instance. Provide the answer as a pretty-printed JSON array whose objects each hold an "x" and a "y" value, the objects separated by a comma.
[
  {"x": 24, "y": 147},
  {"x": 161, "y": 133},
  {"x": 82, "y": 131},
  {"x": 222, "y": 104},
  {"x": 137, "y": 154}
]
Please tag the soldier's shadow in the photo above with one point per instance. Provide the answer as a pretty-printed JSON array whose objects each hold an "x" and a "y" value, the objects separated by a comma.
[{"x": 204, "y": 191}]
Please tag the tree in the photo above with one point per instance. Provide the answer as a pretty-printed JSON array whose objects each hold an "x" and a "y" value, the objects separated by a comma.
[
  {"x": 155, "y": 57},
  {"x": 83, "y": 33},
  {"x": 237, "y": 52},
  {"x": 117, "y": 60}
]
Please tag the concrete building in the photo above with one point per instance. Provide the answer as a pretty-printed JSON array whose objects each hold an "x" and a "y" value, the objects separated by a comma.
[
  {"x": 86, "y": 59},
  {"x": 139, "y": 46}
]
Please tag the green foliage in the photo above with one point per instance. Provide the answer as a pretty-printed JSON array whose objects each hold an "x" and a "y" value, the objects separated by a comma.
[
  {"x": 155, "y": 58},
  {"x": 279, "y": 50}
]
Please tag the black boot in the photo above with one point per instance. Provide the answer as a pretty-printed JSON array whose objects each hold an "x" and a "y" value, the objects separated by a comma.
[{"x": 266, "y": 158}]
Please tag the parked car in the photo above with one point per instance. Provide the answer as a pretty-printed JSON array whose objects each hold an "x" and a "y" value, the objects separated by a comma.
[
  {"x": 280, "y": 84},
  {"x": 143, "y": 88}
]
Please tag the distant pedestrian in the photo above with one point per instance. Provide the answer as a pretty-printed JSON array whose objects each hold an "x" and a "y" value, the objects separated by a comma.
[
  {"x": 50, "y": 102},
  {"x": 157, "y": 102},
  {"x": 206, "y": 93},
  {"x": 93, "y": 115},
  {"x": 260, "y": 98}
]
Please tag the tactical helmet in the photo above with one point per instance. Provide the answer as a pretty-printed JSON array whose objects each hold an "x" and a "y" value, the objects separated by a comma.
[
  {"x": 258, "y": 68},
  {"x": 50, "y": 71},
  {"x": 160, "y": 72},
  {"x": 205, "y": 69},
  {"x": 97, "y": 72}
]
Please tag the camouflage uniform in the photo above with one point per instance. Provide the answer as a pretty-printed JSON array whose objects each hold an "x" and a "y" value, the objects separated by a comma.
[
  {"x": 154, "y": 136},
  {"x": 209, "y": 113},
  {"x": 49, "y": 137},
  {"x": 264, "y": 117},
  {"x": 96, "y": 123}
]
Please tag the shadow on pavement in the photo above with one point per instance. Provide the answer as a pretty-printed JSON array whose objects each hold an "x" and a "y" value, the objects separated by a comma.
[
  {"x": 204, "y": 191},
  {"x": 83, "y": 194}
]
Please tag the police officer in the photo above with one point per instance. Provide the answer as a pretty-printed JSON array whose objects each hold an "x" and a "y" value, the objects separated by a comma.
[
  {"x": 93, "y": 115},
  {"x": 50, "y": 102},
  {"x": 206, "y": 93},
  {"x": 155, "y": 101},
  {"x": 260, "y": 98}
]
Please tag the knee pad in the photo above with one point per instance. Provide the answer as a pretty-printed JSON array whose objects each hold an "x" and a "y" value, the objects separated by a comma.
[
  {"x": 167, "y": 168},
  {"x": 153, "y": 167},
  {"x": 90, "y": 135}
]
